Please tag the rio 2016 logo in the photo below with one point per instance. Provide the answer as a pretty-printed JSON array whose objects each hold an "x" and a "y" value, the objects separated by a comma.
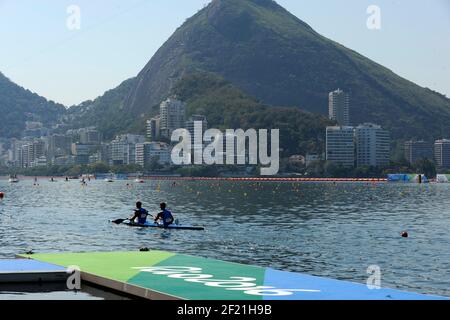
[{"x": 245, "y": 284}]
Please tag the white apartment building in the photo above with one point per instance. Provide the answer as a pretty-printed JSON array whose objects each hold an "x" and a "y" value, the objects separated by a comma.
[
  {"x": 340, "y": 146},
  {"x": 372, "y": 145},
  {"x": 123, "y": 149},
  {"x": 339, "y": 107},
  {"x": 442, "y": 153},
  {"x": 418, "y": 150},
  {"x": 28, "y": 152},
  {"x": 146, "y": 151},
  {"x": 154, "y": 128},
  {"x": 172, "y": 113}
]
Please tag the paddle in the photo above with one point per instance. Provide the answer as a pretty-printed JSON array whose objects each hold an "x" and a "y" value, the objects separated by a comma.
[{"x": 119, "y": 221}]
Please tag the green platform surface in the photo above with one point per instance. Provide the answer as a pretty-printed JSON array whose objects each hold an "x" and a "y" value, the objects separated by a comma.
[{"x": 195, "y": 278}]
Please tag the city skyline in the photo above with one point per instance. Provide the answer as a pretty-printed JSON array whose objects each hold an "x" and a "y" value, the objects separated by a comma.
[
  {"x": 365, "y": 144},
  {"x": 111, "y": 35},
  {"x": 246, "y": 151}
]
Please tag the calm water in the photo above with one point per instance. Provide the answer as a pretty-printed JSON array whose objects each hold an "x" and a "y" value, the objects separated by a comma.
[{"x": 321, "y": 229}]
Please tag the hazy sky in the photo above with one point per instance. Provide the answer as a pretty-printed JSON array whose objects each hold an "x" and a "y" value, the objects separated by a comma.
[{"x": 118, "y": 37}]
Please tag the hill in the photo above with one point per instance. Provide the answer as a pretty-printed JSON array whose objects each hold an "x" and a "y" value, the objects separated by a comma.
[
  {"x": 270, "y": 54},
  {"x": 107, "y": 113},
  {"x": 18, "y": 105},
  {"x": 227, "y": 107}
]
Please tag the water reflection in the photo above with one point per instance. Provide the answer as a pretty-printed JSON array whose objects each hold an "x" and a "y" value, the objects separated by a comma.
[{"x": 333, "y": 230}]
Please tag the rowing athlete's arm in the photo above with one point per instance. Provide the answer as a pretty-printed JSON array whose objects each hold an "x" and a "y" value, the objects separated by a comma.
[
  {"x": 148, "y": 214},
  {"x": 135, "y": 215}
]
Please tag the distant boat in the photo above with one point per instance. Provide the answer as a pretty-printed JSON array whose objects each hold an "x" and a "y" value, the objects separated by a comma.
[
  {"x": 110, "y": 178},
  {"x": 139, "y": 180},
  {"x": 13, "y": 179}
]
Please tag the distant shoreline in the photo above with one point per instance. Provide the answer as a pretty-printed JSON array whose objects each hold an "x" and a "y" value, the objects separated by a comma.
[{"x": 260, "y": 179}]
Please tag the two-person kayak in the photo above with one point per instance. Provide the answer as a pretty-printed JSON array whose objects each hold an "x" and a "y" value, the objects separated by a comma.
[
  {"x": 160, "y": 225},
  {"x": 163, "y": 220}
]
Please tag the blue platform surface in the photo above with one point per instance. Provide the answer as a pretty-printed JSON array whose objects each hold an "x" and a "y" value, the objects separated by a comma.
[
  {"x": 318, "y": 288},
  {"x": 27, "y": 265},
  {"x": 166, "y": 275}
]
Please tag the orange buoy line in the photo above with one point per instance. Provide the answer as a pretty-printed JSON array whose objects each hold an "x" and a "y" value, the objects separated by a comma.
[
  {"x": 2, "y": 195},
  {"x": 159, "y": 178}
]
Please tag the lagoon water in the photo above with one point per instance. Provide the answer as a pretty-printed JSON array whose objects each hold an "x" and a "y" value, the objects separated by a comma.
[{"x": 323, "y": 229}]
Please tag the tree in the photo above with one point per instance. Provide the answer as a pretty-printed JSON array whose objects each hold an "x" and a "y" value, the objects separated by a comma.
[
  {"x": 427, "y": 167},
  {"x": 153, "y": 165},
  {"x": 337, "y": 170},
  {"x": 99, "y": 168}
]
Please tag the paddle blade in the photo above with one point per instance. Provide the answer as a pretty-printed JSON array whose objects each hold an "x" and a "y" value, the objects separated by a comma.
[{"x": 119, "y": 221}]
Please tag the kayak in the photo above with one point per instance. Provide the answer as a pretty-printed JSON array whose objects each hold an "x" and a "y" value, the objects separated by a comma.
[{"x": 158, "y": 225}]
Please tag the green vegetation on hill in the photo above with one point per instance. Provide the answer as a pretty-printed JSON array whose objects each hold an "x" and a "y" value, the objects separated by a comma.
[
  {"x": 18, "y": 105},
  {"x": 272, "y": 55},
  {"x": 258, "y": 56},
  {"x": 248, "y": 64},
  {"x": 107, "y": 113},
  {"x": 227, "y": 107}
]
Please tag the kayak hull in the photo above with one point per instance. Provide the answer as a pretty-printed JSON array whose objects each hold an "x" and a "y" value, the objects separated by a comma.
[{"x": 157, "y": 225}]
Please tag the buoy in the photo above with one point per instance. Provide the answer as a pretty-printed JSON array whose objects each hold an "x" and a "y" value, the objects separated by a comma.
[
  {"x": 2, "y": 195},
  {"x": 405, "y": 234}
]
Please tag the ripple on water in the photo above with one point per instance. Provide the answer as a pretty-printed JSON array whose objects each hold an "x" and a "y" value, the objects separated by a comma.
[{"x": 322, "y": 229}]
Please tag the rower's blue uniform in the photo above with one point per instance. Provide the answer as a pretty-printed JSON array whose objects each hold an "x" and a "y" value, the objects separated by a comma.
[
  {"x": 142, "y": 215},
  {"x": 166, "y": 217}
]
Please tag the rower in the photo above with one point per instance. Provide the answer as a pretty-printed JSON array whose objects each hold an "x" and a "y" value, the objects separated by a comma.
[
  {"x": 140, "y": 214},
  {"x": 165, "y": 216}
]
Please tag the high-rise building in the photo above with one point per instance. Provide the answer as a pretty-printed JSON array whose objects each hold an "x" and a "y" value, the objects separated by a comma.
[
  {"x": 418, "y": 150},
  {"x": 154, "y": 128},
  {"x": 90, "y": 136},
  {"x": 147, "y": 151},
  {"x": 79, "y": 149},
  {"x": 39, "y": 162},
  {"x": 372, "y": 145},
  {"x": 59, "y": 145},
  {"x": 339, "y": 107},
  {"x": 190, "y": 124},
  {"x": 442, "y": 153},
  {"x": 199, "y": 122},
  {"x": 340, "y": 146},
  {"x": 15, "y": 154},
  {"x": 172, "y": 112},
  {"x": 64, "y": 161},
  {"x": 24, "y": 156},
  {"x": 123, "y": 149},
  {"x": 28, "y": 152},
  {"x": 105, "y": 153},
  {"x": 38, "y": 149},
  {"x": 81, "y": 152}
]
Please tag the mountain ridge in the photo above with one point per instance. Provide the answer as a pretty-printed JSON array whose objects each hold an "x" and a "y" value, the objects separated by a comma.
[
  {"x": 273, "y": 56},
  {"x": 19, "y": 105}
]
